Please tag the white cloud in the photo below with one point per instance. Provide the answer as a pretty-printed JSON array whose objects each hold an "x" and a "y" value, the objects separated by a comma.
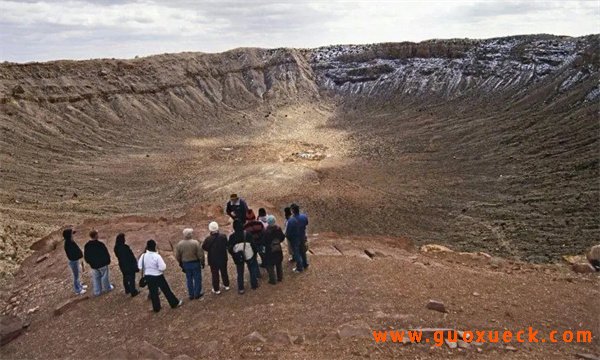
[{"x": 52, "y": 29}]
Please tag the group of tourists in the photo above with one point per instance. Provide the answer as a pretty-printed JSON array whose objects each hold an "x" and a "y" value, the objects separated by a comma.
[{"x": 253, "y": 238}]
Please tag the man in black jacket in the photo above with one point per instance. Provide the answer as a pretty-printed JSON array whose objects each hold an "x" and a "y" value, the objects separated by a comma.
[
  {"x": 237, "y": 208},
  {"x": 74, "y": 255},
  {"x": 216, "y": 246},
  {"x": 97, "y": 256}
]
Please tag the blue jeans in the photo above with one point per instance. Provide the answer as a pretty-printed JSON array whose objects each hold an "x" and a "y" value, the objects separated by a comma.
[
  {"x": 193, "y": 275},
  {"x": 74, "y": 265},
  {"x": 296, "y": 244},
  {"x": 252, "y": 269},
  {"x": 101, "y": 280}
]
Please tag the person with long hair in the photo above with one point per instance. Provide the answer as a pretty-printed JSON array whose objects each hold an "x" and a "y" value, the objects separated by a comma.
[{"x": 127, "y": 265}]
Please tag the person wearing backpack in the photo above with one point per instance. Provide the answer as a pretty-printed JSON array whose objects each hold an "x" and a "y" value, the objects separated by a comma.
[
  {"x": 273, "y": 259},
  {"x": 256, "y": 228},
  {"x": 127, "y": 265},
  {"x": 216, "y": 246},
  {"x": 74, "y": 255},
  {"x": 242, "y": 252}
]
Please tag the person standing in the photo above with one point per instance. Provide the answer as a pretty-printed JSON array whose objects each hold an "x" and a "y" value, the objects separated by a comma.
[
  {"x": 302, "y": 224},
  {"x": 241, "y": 249},
  {"x": 287, "y": 212},
  {"x": 153, "y": 267},
  {"x": 74, "y": 255},
  {"x": 262, "y": 217},
  {"x": 273, "y": 259},
  {"x": 97, "y": 256},
  {"x": 216, "y": 246},
  {"x": 236, "y": 208},
  {"x": 127, "y": 265},
  {"x": 256, "y": 229},
  {"x": 190, "y": 256}
]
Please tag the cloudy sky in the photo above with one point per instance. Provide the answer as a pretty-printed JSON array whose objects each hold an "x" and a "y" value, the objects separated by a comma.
[{"x": 39, "y": 30}]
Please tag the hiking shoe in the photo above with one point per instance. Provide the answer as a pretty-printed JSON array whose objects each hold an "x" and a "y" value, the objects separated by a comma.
[
  {"x": 226, "y": 288},
  {"x": 218, "y": 292},
  {"x": 134, "y": 294},
  {"x": 178, "y": 305},
  {"x": 241, "y": 292},
  {"x": 83, "y": 286},
  {"x": 83, "y": 291},
  {"x": 111, "y": 288},
  {"x": 296, "y": 270}
]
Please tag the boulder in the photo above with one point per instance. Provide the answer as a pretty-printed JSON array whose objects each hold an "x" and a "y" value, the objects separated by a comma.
[
  {"x": 587, "y": 356},
  {"x": 69, "y": 304},
  {"x": 299, "y": 340},
  {"x": 463, "y": 344},
  {"x": 583, "y": 268},
  {"x": 354, "y": 329},
  {"x": 434, "y": 248},
  {"x": 593, "y": 254},
  {"x": 254, "y": 337},
  {"x": 436, "y": 306},
  {"x": 451, "y": 344},
  {"x": 10, "y": 328},
  {"x": 573, "y": 259},
  {"x": 282, "y": 338}
]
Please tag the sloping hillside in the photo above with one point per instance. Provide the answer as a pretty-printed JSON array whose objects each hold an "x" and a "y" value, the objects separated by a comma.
[{"x": 481, "y": 144}]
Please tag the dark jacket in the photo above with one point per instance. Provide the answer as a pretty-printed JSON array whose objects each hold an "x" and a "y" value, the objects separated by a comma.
[
  {"x": 256, "y": 229},
  {"x": 216, "y": 246},
  {"x": 239, "y": 236},
  {"x": 239, "y": 210},
  {"x": 96, "y": 254},
  {"x": 296, "y": 228},
  {"x": 71, "y": 248},
  {"x": 127, "y": 261},
  {"x": 272, "y": 238}
]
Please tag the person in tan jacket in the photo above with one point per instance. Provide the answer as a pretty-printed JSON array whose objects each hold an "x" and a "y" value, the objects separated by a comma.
[{"x": 190, "y": 256}]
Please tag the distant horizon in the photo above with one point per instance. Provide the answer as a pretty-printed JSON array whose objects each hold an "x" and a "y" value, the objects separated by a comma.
[
  {"x": 54, "y": 30},
  {"x": 285, "y": 47}
]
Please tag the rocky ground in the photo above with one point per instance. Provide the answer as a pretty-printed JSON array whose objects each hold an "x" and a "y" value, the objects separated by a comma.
[{"x": 353, "y": 286}]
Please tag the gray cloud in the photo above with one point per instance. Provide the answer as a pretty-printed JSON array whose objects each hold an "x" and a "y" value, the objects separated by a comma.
[{"x": 52, "y": 29}]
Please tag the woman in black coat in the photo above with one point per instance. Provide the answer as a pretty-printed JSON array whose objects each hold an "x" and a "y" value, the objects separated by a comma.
[
  {"x": 272, "y": 238},
  {"x": 127, "y": 264}
]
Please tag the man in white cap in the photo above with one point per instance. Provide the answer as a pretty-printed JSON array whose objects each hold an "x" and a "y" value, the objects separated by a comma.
[{"x": 216, "y": 246}]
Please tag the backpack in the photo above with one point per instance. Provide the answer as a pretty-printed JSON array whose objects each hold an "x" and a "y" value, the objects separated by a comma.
[{"x": 243, "y": 252}]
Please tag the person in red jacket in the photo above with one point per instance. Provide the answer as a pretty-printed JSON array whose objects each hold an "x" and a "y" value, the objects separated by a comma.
[{"x": 256, "y": 229}]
